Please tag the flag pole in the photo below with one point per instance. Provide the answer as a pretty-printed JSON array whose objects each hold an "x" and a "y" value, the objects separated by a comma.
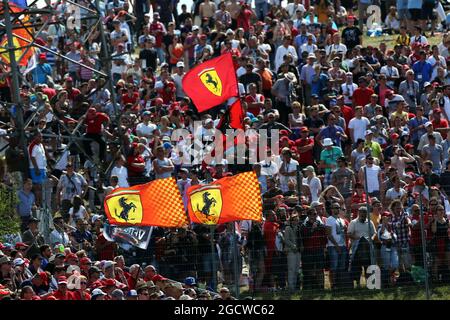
[
  {"x": 235, "y": 262},
  {"x": 212, "y": 229}
]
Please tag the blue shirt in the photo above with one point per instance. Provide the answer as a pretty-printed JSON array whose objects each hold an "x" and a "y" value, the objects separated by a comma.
[
  {"x": 414, "y": 123},
  {"x": 41, "y": 72},
  {"x": 26, "y": 202},
  {"x": 415, "y": 4},
  {"x": 402, "y": 4},
  {"x": 331, "y": 132},
  {"x": 422, "y": 72}
]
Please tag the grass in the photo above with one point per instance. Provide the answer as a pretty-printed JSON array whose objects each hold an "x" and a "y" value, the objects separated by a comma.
[
  {"x": 399, "y": 293},
  {"x": 390, "y": 40}
]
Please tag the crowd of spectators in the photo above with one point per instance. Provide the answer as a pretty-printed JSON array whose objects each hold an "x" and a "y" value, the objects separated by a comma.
[{"x": 366, "y": 126}]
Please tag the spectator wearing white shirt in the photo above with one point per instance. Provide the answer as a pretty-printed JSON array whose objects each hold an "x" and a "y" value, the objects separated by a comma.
[
  {"x": 336, "y": 47},
  {"x": 146, "y": 128},
  {"x": 348, "y": 88},
  {"x": 283, "y": 50},
  {"x": 288, "y": 169},
  {"x": 358, "y": 125},
  {"x": 315, "y": 186},
  {"x": 121, "y": 172},
  {"x": 309, "y": 46},
  {"x": 293, "y": 8},
  {"x": 390, "y": 71},
  {"x": 436, "y": 61}
]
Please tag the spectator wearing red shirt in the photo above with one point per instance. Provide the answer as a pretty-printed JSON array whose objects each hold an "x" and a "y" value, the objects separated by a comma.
[
  {"x": 135, "y": 162},
  {"x": 271, "y": 228},
  {"x": 415, "y": 242},
  {"x": 81, "y": 293},
  {"x": 255, "y": 101},
  {"x": 131, "y": 96},
  {"x": 158, "y": 30},
  {"x": 359, "y": 199},
  {"x": 305, "y": 147},
  {"x": 94, "y": 121},
  {"x": 362, "y": 94},
  {"x": 167, "y": 92},
  {"x": 314, "y": 236},
  {"x": 439, "y": 124},
  {"x": 347, "y": 112},
  {"x": 62, "y": 293},
  {"x": 243, "y": 19},
  {"x": 71, "y": 91}
]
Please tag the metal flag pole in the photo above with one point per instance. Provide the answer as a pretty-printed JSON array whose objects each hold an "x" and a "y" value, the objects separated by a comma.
[
  {"x": 234, "y": 245},
  {"x": 212, "y": 229},
  {"x": 15, "y": 79}
]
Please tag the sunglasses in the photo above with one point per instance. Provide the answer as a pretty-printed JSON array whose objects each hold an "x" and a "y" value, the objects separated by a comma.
[{"x": 83, "y": 282}]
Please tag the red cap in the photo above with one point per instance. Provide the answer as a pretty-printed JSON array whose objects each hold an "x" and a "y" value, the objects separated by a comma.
[
  {"x": 109, "y": 282},
  {"x": 388, "y": 92},
  {"x": 51, "y": 298},
  {"x": 70, "y": 79},
  {"x": 158, "y": 277},
  {"x": 122, "y": 13},
  {"x": 409, "y": 146},
  {"x": 386, "y": 214},
  {"x": 395, "y": 136},
  {"x": 97, "y": 284},
  {"x": 43, "y": 56},
  {"x": 351, "y": 17},
  {"x": 92, "y": 110},
  {"x": 71, "y": 256},
  {"x": 203, "y": 36},
  {"x": 437, "y": 111},
  {"x": 284, "y": 138},
  {"x": 85, "y": 260},
  {"x": 62, "y": 280},
  {"x": 291, "y": 144},
  {"x": 284, "y": 132},
  {"x": 420, "y": 181},
  {"x": 21, "y": 245},
  {"x": 159, "y": 101},
  {"x": 304, "y": 129}
]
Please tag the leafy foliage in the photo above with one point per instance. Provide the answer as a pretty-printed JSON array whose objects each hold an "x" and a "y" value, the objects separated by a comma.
[{"x": 9, "y": 221}]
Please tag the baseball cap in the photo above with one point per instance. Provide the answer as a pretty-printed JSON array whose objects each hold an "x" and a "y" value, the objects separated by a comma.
[
  {"x": 158, "y": 277},
  {"x": 368, "y": 132},
  {"x": 18, "y": 262},
  {"x": 62, "y": 280},
  {"x": 108, "y": 264},
  {"x": 180, "y": 64},
  {"x": 20, "y": 245},
  {"x": 190, "y": 281},
  {"x": 117, "y": 293},
  {"x": 195, "y": 28},
  {"x": 309, "y": 168},
  {"x": 428, "y": 123},
  {"x": 97, "y": 292},
  {"x": 132, "y": 293},
  {"x": 394, "y": 136}
]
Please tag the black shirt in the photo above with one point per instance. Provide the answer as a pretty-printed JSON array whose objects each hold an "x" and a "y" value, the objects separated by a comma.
[
  {"x": 150, "y": 56},
  {"x": 248, "y": 78},
  {"x": 350, "y": 37}
]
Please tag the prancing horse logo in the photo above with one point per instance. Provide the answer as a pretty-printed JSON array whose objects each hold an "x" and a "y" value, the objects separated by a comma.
[
  {"x": 211, "y": 81},
  {"x": 126, "y": 208},
  {"x": 206, "y": 203}
]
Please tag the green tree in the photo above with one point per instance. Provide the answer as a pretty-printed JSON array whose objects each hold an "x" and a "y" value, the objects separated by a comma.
[{"x": 9, "y": 221}]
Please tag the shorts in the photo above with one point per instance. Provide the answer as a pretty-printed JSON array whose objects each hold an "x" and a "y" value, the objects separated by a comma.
[
  {"x": 403, "y": 14},
  {"x": 415, "y": 14},
  {"x": 38, "y": 179},
  {"x": 427, "y": 12}
]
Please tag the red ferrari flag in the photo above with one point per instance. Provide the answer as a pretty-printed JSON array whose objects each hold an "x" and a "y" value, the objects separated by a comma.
[
  {"x": 228, "y": 199},
  {"x": 157, "y": 203},
  {"x": 211, "y": 83}
]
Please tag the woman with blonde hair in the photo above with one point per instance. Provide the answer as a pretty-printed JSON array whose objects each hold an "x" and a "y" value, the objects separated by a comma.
[{"x": 297, "y": 117}]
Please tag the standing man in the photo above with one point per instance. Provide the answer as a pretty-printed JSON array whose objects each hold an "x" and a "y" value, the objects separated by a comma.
[
  {"x": 291, "y": 242},
  {"x": 306, "y": 76},
  {"x": 94, "y": 121},
  {"x": 337, "y": 250},
  {"x": 26, "y": 204},
  {"x": 351, "y": 35},
  {"x": 328, "y": 159},
  {"x": 374, "y": 177},
  {"x": 38, "y": 165}
]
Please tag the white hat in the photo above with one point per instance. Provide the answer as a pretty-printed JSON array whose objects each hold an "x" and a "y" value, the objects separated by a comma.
[
  {"x": 108, "y": 264},
  {"x": 229, "y": 31},
  {"x": 180, "y": 64},
  {"x": 195, "y": 28},
  {"x": 18, "y": 262},
  {"x": 327, "y": 142},
  {"x": 207, "y": 121},
  {"x": 428, "y": 123},
  {"x": 312, "y": 55},
  {"x": 426, "y": 84},
  {"x": 398, "y": 98},
  {"x": 368, "y": 132},
  {"x": 98, "y": 292},
  {"x": 96, "y": 217},
  {"x": 185, "y": 297}
]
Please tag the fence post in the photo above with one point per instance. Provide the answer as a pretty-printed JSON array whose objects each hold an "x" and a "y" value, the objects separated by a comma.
[{"x": 424, "y": 244}]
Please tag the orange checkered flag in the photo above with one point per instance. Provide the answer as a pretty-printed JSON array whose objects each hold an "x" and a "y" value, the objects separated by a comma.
[
  {"x": 228, "y": 199},
  {"x": 157, "y": 203}
]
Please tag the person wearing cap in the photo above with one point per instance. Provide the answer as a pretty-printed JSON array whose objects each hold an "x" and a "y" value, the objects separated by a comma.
[
  {"x": 70, "y": 184},
  {"x": 177, "y": 79},
  {"x": 351, "y": 35},
  {"x": 43, "y": 71},
  {"x": 32, "y": 237},
  {"x": 62, "y": 293},
  {"x": 422, "y": 69},
  {"x": 440, "y": 124},
  {"x": 430, "y": 131},
  {"x": 328, "y": 159},
  {"x": 148, "y": 55},
  {"x": 373, "y": 173},
  {"x": 98, "y": 294}
]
